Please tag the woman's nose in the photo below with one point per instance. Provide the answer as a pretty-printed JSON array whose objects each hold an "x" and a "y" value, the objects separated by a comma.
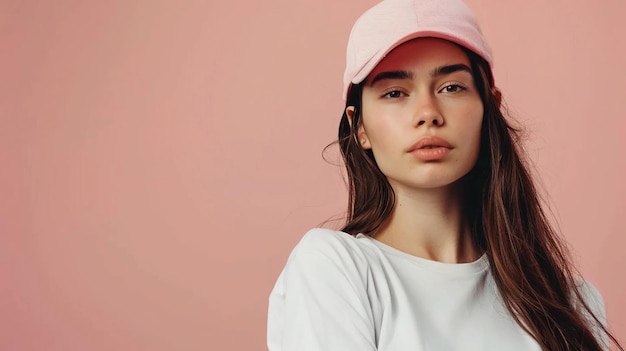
[{"x": 427, "y": 111}]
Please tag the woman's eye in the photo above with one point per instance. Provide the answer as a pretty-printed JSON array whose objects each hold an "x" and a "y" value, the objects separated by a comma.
[
  {"x": 394, "y": 94},
  {"x": 452, "y": 88}
]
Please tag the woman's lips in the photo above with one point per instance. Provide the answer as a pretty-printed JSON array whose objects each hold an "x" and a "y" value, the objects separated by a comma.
[{"x": 430, "y": 148}]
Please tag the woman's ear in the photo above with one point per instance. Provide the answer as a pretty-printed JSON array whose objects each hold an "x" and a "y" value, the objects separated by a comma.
[
  {"x": 350, "y": 114},
  {"x": 361, "y": 136}
]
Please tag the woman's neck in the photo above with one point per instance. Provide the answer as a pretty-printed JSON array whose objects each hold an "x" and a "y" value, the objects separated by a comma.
[{"x": 429, "y": 223}]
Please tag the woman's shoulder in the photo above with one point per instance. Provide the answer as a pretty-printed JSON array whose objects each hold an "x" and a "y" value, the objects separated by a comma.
[
  {"x": 594, "y": 301},
  {"x": 590, "y": 294},
  {"x": 326, "y": 258},
  {"x": 324, "y": 286},
  {"x": 341, "y": 248},
  {"x": 323, "y": 239},
  {"x": 593, "y": 298}
]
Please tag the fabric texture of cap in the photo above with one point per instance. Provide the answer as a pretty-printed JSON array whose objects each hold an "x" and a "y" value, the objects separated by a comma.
[{"x": 393, "y": 22}]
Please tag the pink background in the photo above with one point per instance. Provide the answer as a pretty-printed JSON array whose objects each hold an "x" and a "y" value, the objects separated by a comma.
[{"x": 160, "y": 159}]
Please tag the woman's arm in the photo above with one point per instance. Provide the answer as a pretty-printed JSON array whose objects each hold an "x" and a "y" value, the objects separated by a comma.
[{"x": 320, "y": 300}]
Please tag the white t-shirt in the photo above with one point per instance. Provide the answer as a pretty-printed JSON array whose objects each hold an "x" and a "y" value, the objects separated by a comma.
[{"x": 344, "y": 293}]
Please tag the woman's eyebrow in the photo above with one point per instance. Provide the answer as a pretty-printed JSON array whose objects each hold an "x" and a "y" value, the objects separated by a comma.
[
  {"x": 447, "y": 69},
  {"x": 437, "y": 72},
  {"x": 391, "y": 75}
]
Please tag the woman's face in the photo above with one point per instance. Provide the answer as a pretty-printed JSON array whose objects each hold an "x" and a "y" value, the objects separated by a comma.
[{"x": 422, "y": 114}]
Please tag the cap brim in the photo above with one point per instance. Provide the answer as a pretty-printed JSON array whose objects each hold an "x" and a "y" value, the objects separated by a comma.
[{"x": 375, "y": 60}]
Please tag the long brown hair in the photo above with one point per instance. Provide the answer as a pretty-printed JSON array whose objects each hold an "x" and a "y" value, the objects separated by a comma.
[{"x": 529, "y": 262}]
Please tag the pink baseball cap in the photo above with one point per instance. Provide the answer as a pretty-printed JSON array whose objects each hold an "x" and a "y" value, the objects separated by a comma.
[{"x": 393, "y": 22}]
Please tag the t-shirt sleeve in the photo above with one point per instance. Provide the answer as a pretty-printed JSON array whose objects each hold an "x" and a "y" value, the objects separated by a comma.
[
  {"x": 319, "y": 302},
  {"x": 595, "y": 302}
]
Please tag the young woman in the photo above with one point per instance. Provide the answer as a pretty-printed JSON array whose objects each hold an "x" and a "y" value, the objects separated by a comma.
[{"x": 446, "y": 246}]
